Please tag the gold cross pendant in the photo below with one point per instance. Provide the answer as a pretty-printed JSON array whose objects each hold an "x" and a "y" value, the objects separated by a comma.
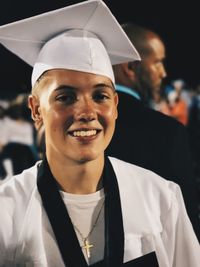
[{"x": 87, "y": 246}]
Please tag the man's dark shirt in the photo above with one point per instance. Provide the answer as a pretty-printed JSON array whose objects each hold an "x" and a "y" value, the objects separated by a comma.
[{"x": 157, "y": 142}]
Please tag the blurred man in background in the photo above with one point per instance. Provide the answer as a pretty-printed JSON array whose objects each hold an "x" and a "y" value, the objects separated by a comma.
[{"x": 144, "y": 136}]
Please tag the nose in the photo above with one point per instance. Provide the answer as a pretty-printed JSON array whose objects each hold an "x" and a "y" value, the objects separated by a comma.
[{"x": 86, "y": 111}]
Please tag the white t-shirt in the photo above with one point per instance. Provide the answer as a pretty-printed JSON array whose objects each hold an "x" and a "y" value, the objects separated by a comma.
[{"x": 85, "y": 211}]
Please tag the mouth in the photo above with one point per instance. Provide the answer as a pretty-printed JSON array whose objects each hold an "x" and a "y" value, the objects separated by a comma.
[{"x": 84, "y": 132}]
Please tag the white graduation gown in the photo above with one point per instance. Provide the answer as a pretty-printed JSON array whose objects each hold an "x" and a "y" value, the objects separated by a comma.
[{"x": 154, "y": 219}]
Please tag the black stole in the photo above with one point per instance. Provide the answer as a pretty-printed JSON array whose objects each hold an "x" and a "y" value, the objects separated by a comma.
[{"x": 62, "y": 226}]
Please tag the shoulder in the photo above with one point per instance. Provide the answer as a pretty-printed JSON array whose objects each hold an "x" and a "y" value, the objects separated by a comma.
[
  {"x": 163, "y": 119},
  {"x": 16, "y": 191},
  {"x": 16, "y": 197},
  {"x": 19, "y": 185},
  {"x": 128, "y": 169},
  {"x": 146, "y": 196},
  {"x": 144, "y": 183},
  {"x": 144, "y": 115}
]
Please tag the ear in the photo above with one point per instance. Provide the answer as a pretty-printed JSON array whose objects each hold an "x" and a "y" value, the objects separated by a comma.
[
  {"x": 116, "y": 99},
  {"x": 128, "y": 70},
  {"x": 34, "y": 105}
]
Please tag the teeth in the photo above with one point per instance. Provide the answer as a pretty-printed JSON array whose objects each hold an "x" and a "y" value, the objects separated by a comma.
[{"x": 84, "y": 133}]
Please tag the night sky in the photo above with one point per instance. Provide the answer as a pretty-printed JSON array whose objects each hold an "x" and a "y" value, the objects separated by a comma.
[{"x": 178, "y": 25}]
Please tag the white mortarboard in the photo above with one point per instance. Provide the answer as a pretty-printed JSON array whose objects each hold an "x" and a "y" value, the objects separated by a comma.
[{"x": 84, "y": 37}]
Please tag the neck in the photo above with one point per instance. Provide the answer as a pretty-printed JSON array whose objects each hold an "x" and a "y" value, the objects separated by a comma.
[{"x": 78, "y": 178}]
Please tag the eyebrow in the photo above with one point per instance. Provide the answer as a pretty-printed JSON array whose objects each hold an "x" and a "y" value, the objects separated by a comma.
[
  {"x": 71, "y": 88},
  {"x": 64, "y": 87},
  {"x": 104, "y": 85}
]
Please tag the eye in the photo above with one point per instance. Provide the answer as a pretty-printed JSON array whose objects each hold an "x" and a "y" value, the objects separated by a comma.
[
  {"x": 66, "y": 98},
  {"x": 101, "y": 96},
  {"x": 159, "y": 63}
]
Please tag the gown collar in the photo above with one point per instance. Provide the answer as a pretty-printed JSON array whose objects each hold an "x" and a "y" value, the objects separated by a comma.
[
  {"x": 127, "y": 90},
  {"x": 60, "y": 221}
]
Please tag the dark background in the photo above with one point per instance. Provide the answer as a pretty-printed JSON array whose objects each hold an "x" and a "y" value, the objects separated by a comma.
[{"x": 176, "y": 22}]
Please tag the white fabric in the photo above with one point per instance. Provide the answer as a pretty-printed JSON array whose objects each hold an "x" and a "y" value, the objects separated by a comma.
[
  {"x": 74, "y": 50},
  {"x": 16, "y": 131},
  {"x": 154, "y": 219},
  {"x": 2, "y": 133},
  {"x": 7, "y": 164},
  {"x": 84, "y": 211},
  {"x": 25, "y": 38}
]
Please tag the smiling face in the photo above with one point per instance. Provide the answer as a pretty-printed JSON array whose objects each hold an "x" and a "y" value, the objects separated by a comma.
[{"x": 78, "y": 111}]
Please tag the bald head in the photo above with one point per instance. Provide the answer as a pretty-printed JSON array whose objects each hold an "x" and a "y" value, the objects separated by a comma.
[
  {"x": 143, "y": 76},
  {"x": 140, "y": 37}
]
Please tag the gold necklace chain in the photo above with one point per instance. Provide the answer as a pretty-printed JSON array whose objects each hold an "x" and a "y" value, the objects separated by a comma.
[{"x": 86, "y": 244}]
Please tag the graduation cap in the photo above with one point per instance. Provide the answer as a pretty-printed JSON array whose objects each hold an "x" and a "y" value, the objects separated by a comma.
[{"x": 84, "y": 37}]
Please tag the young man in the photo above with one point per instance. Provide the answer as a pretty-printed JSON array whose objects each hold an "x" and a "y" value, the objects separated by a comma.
[{"x": 78, "y": 207}]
